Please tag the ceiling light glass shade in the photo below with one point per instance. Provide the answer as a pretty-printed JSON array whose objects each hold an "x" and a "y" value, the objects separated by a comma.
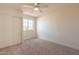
[{"x": 36, "y": 8}]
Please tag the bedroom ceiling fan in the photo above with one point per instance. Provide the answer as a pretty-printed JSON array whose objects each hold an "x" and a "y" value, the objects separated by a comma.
[{"x": 36, "y": 6}]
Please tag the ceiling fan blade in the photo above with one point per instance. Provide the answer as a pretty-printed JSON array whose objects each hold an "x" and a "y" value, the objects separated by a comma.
[
  {"x": 28, "y": 6},
  {"x": 36, "y": 4},
  {"x": 32, "y": 5},
  {"x": 43, "y": 6}
]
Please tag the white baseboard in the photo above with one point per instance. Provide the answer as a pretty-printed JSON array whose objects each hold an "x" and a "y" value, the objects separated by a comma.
[{"x": 75, "y": 48}]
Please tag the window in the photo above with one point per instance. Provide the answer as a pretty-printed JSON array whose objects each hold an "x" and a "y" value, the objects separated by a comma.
[{"x": 27, "y": 24}]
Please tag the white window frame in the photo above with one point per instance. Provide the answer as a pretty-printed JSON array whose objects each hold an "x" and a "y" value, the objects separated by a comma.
[{"x": 27, "y": 23}]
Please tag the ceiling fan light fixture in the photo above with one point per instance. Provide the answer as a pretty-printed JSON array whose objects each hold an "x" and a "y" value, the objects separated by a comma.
[{"x": 36, "y": 8}]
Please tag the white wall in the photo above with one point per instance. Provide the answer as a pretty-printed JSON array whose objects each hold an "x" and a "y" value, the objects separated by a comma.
[
  {"x": 30, "y": 34},
  {"x": 60, "y": 24},
  {"x": 10, "y": 26}
]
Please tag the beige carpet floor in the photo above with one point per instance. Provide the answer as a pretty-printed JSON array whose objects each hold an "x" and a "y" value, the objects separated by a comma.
[{"x": 38, "y": 47}]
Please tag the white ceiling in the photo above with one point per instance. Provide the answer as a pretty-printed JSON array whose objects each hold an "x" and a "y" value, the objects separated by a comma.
[
  {"x": 26, "y": 11},
  {"x": 30, "y": 11}
]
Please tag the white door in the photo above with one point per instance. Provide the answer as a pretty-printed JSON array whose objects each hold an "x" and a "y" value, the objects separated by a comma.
[{"x": 29, "y": 27}]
